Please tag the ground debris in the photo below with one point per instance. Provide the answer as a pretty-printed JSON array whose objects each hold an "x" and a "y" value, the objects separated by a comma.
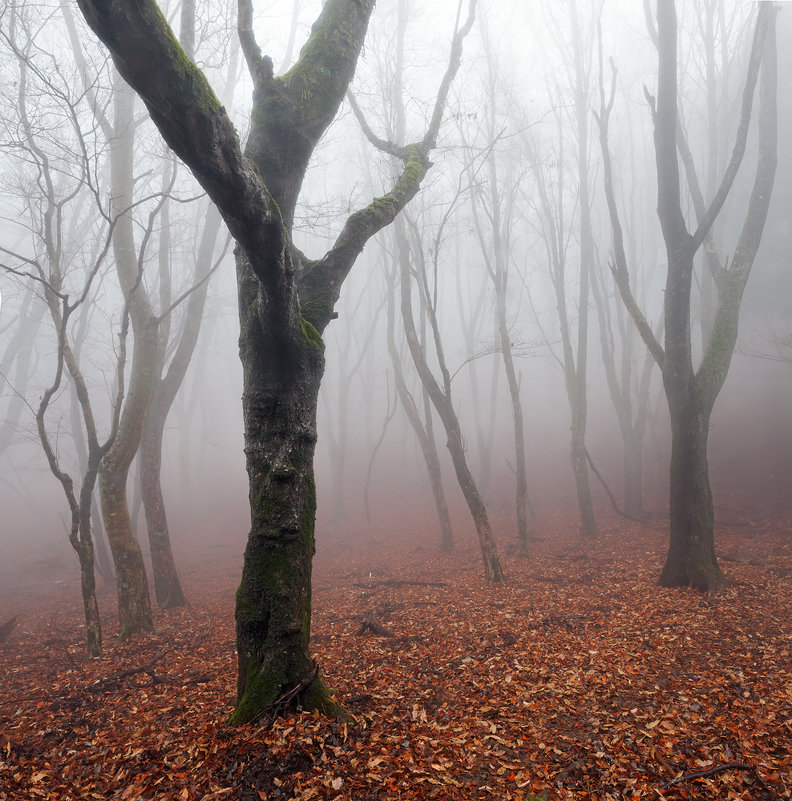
[{"x": 598, "y": 685}]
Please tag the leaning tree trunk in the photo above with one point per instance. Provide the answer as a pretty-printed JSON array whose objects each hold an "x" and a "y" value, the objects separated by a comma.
[
  {"x": 441, "y": 400},
  {"x": 424, "y": 431},
  {"x": 432, "y": 459},
  {"x": 493, "y": 572}
]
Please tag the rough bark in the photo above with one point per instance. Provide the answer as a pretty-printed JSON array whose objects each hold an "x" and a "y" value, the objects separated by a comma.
[{"x": 273, "y": 608}]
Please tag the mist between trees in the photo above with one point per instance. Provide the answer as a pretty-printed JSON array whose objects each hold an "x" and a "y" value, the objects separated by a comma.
[{"x": 568, "y": 200}]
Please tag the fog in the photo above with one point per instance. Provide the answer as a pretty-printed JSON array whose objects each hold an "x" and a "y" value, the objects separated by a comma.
[{"x": 371, "y": 477}]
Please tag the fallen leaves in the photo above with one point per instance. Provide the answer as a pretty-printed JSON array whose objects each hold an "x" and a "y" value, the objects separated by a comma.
[{"x": 578, "y": 679}]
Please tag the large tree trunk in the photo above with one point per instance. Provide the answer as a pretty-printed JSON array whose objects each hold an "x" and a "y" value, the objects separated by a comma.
[
  {"x": 691, "y": 395},
  {"x": 273, "y": 604},
  {"x": 691, "y": 560}
]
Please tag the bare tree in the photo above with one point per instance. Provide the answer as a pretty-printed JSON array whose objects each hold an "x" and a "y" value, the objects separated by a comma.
[
  {"x": 628, "y": 365},
  {"x": 561, "y": 213},
  {"x": 64, "y": 203},
  {"x": 410, "y": 256},
  {"x": 494, "y": 214},
  {"x": 691, "y": 392},
  {"x": 418, "y": 413},
  {"x": 440, "y": 390},
  {"x": 285, "y": 299}
]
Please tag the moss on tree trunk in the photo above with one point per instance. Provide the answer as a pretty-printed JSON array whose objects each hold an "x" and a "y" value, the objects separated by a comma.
[{"x": 282, "y": 373}]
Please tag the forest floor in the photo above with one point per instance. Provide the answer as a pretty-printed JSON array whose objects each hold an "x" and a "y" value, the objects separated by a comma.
[{"x": 579, "y": 678}]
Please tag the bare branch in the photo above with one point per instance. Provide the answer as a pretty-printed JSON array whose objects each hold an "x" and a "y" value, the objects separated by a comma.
[{"x": 260, "y": 67}]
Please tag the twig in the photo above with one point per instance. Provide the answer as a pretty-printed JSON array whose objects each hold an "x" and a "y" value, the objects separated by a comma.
[
  {"x": 700, "y": 774},
  {"x": 113, "y": 681},
  {"x": 270, "y": 713}
]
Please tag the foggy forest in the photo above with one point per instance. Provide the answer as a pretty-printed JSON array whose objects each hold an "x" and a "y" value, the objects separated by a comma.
[{"x": 395, "y": 400}]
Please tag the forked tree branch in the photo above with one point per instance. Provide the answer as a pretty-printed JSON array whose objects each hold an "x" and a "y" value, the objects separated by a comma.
[
  {"x": 619, "y": 266},
  {"x": 762, "y": 21}
]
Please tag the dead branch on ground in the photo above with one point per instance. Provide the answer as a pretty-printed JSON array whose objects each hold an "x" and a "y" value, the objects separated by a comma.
[{"x": 701, "y": 774}]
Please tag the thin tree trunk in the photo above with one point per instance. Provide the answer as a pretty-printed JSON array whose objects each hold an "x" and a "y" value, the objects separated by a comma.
[
  {"x": 577, "y": 387},
  {"x": 83, "y": 545},
  {"x": 19, "y": 351},
  {"x": 167, "y": 587},
  {"x": 100, "y": 544},
  {"x": 134, "y": 605},
  {"x": 495, "y": 242},
  {"x": 633, "y": 475},
  {"x": 441, "y": 399},
  {"x": 423, "y": 430}
]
